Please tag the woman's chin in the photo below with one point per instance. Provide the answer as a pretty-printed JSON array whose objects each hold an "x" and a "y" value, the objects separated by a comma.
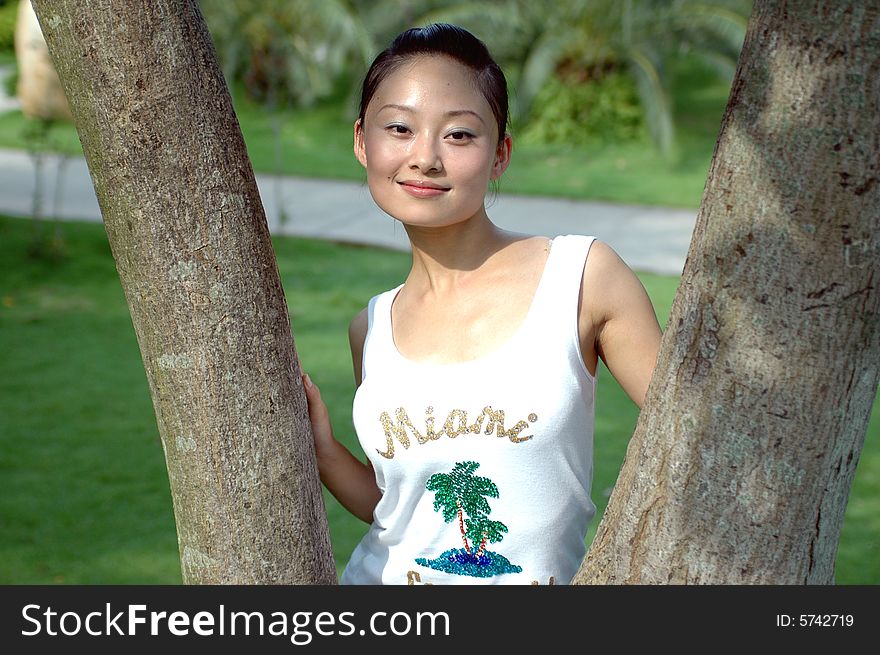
[{"x": 433, "y": 220}]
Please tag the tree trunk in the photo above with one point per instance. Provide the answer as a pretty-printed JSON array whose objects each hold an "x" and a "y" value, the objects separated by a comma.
[
  {"x": 467, "y": 548},
  {"x": 742, "y": 460},
  {"x": 189, "y": 236}
]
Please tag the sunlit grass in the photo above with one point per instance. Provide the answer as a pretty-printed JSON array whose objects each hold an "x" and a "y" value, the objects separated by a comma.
[{"x": 85, "y": 491}]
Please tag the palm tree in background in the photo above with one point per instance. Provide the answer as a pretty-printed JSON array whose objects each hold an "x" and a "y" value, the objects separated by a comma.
[
  {"x": 289, "y": 51},
  {"x": 286, "y": 53},
  {"x": 590, "y": 38},
  {"x": 297, "y": 51},
  {"x": 387, "y": 18}
]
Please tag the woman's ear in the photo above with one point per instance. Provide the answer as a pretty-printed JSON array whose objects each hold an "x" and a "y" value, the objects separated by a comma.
[
  {"x": 502, "y": 157},
  {"x": 359, "y": 150}
]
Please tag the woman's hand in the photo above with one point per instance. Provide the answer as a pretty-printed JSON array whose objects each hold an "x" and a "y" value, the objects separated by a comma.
[
  {"x": 320, "y": 419},
  {"x": 352, "y": 482}
]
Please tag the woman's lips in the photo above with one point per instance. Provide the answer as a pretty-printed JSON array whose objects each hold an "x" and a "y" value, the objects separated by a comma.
[{"x": 420, "y": 189}]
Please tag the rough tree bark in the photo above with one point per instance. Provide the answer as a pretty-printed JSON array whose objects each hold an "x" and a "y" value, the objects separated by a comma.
[
  {"x": 743, "y": 457},
  {"x": 189, "y": 236}
]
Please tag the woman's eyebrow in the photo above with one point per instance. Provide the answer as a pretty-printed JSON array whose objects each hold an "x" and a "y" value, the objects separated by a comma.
[
  {"x": 460, "y": 112},
  {"x": 451, "y": 113}
]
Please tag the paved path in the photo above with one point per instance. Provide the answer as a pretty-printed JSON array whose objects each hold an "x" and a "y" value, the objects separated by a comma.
[{"x": 647, "y": 238}]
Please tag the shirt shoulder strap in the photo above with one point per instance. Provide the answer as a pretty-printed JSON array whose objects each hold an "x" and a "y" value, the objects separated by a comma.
[
  {"x": 558, "y": 294},
  {"x": 379, "y": 342}
]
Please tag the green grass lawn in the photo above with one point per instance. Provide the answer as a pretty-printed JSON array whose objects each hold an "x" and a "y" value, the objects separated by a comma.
[
  {"x": 85, "y": 493},
  {"x": 317, "y": 142}
]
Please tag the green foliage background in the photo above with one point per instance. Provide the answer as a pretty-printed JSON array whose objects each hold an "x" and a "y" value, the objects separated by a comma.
[
  {"x": 8, "y": 15},
  {"x": 602, "y": 111}
]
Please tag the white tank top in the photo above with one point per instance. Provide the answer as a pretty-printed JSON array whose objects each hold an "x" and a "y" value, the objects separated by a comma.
[{"x": 485, "y": 466}]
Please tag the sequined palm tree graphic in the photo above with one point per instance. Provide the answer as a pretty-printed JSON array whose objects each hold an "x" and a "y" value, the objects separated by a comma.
[{"x": 459, "y": 493}]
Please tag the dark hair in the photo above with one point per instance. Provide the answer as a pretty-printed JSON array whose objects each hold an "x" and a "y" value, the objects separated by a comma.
[{"x": 449, "y": 40}]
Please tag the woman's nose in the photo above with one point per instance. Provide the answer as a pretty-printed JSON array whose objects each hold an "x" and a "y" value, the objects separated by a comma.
[{"x": 426, "y": 154}]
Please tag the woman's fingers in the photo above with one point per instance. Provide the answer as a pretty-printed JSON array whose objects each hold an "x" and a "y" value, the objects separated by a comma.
[
  {"x": 318, "y": 414},
  {"x": 313, "y": 395}
]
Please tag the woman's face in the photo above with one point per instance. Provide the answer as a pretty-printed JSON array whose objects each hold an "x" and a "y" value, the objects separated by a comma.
[{"x": 429, "y": 142}]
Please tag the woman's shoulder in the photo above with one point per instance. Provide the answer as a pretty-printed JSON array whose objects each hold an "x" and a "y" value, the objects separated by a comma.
[{"x": 606, "y": 270}]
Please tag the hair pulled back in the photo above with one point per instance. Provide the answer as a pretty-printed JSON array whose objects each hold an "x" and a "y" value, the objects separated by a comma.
[{"x": 449, "y": 40}]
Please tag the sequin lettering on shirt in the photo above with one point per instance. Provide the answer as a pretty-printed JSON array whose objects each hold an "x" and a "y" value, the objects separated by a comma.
[
  {"x": 535, "y": 583},
  {"x": 455, "y": 425},
  {"x": 414, "y": 578},
  {"x": 461, "y": 495}
]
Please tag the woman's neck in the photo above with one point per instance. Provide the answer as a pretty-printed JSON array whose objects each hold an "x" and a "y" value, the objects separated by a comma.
[{"x": 444, "y": 257}]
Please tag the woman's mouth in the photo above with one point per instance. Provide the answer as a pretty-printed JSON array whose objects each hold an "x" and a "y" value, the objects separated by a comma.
[{"x": 422, "y": 188}]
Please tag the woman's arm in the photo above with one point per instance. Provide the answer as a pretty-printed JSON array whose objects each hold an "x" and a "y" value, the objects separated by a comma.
[
  {"x": 352, "y": 482},
  {"x": 618, "y": 321}
]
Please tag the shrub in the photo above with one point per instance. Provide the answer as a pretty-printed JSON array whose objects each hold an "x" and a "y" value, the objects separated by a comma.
[
  {"x": 8, "y": 16},
  {"x": 599, "y": 109}
]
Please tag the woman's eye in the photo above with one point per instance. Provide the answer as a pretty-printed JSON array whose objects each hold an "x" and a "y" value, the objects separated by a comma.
[
  {"x": 460, "y": 136},
  {"x": 398, "y": 129}
]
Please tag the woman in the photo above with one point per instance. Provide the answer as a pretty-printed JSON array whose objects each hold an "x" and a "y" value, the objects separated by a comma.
[{"x": 476, "y": 376}]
